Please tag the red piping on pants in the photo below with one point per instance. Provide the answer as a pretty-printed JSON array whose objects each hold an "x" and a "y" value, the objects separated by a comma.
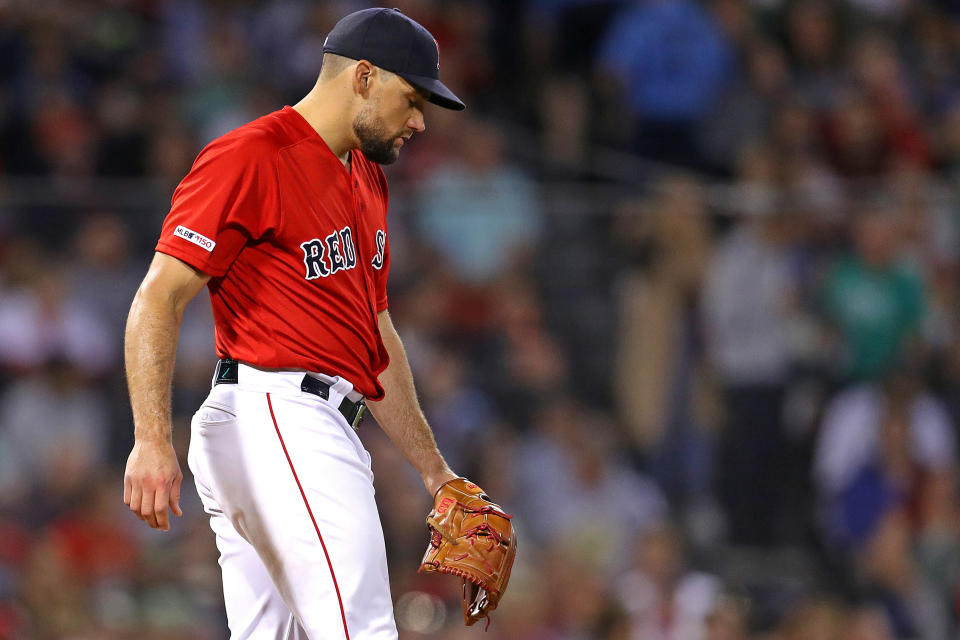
[{"x": 333, "y": 575}]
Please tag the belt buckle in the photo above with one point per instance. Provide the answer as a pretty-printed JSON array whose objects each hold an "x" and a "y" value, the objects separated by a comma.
[{"x": 226, "y": 372}]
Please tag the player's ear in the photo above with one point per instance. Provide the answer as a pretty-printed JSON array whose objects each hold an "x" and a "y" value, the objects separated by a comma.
[{"x": 363, "y": 77}]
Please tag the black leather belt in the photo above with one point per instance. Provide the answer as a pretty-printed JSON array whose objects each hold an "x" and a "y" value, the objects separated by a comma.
[{"x": 352, "y": 411}]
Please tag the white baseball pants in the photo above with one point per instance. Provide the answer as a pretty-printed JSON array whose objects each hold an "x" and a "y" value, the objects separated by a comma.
[{"x": 289, "y": 490}]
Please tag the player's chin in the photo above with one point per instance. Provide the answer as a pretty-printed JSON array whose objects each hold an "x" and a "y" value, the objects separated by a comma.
[
  {"x": 383, "y": 156},
  {"x": 391, "y": 156}
]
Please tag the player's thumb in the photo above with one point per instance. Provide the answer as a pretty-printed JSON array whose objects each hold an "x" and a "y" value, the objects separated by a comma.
[{"x": 175, "y": 498}]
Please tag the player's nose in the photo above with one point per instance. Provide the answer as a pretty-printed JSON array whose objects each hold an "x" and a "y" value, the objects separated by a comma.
[{"x": 416, "y": 122}]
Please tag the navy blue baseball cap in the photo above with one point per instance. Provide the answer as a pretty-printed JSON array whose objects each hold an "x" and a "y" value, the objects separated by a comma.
[{"x": 392, "y": 41}]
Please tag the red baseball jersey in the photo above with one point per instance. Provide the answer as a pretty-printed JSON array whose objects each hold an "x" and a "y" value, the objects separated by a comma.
[{"x": 296, "y": 247}]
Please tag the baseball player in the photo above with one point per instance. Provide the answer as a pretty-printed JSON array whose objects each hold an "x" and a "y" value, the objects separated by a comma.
[{"x": 284, "y": 220}]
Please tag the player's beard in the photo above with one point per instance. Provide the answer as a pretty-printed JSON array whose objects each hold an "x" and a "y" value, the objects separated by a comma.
[{"x": 375, "y": 142}]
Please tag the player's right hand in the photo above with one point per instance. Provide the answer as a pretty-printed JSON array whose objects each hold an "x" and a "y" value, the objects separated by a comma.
[{"x": 151, "y": 482}]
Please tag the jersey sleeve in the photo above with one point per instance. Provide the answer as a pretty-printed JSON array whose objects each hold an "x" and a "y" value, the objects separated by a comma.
[{"x": 230, "y": 197}]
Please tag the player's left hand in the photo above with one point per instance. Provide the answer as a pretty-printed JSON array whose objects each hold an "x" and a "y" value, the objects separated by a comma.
[
  {"x": 471, "y": 538},
  {"x": 434, "y": 481},
  {"x": 151, "y": 483}
]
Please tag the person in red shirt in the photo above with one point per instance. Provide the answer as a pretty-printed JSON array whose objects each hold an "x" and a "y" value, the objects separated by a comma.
[{"x": 284, "y": 220}]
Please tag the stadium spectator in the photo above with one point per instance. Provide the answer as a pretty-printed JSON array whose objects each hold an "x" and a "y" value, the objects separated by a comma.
[
  {"x": 886, "y": 469},
  {"x": 663, "y": 598},
  {"x": 658, "y": 375},
  {"x": 55, "y": 426},
  {"x": 871, "y": 299},
  {"x": 40, "y": 320},
  {"x": 743, "y": 116},
  {"x": 479, "y": 212},
  {"x": 577, "y": 493},
  {"x": 670, "y": 60},
  {"x": 748, "y": 299}
]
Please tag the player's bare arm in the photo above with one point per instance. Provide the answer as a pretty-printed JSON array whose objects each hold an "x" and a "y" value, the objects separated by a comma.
[
  {"x": 151, "y": 483},
  {"x": 400, "y": 416}
]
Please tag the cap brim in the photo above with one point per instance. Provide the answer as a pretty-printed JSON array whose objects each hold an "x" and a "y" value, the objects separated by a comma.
[{"x": 439, "y": 94}]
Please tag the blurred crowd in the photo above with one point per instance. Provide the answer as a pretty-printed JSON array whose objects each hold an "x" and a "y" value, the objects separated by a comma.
[{"x": 681, "y": 289}]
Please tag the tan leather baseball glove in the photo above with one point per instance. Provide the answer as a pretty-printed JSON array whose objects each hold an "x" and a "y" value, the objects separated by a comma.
[{"x": 472, "y": 538}]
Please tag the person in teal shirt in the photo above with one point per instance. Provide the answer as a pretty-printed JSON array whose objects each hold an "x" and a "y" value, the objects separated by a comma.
[{"x": 873, "y": 299}]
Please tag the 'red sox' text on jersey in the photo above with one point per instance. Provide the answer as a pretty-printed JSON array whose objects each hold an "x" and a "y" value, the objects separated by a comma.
[{"x": 296, "y": 247}]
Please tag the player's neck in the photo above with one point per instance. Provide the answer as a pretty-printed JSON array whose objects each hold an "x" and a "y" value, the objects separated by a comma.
[{"x": 328, "y": 121}]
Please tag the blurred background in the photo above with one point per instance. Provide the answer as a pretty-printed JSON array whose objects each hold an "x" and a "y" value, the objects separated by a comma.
[{"x": 681, "y": 289}]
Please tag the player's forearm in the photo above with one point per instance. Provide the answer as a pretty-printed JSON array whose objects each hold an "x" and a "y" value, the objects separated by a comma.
[
  {"x": 401, "y": 418},
  {"x": 149, "y": 350}
]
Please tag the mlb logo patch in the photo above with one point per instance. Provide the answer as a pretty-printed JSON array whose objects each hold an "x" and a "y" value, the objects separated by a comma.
[{"x": 200, "y": 240}]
